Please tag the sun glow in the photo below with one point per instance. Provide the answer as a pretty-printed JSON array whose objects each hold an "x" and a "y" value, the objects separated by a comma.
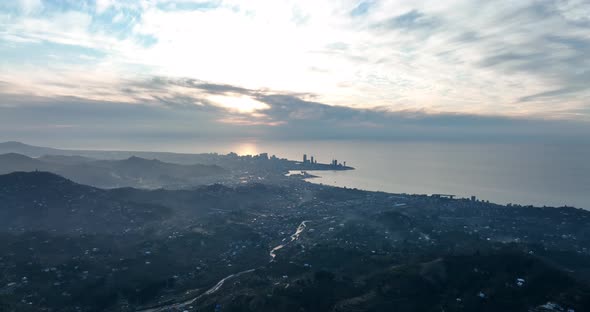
[
  {"x": 240, "y": 104},
  {"x": 246, "y": 148}
]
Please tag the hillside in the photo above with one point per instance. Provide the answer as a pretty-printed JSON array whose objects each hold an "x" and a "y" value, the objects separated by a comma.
[
  {"x": 131, "y": 172},
  {"x": 292, "y": 246}
]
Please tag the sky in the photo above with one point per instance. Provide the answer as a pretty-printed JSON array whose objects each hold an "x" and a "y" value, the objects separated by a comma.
[{"x": 284, "y": 69}]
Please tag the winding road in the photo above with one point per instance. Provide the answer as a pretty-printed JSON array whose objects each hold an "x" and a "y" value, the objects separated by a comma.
[{"x": 216, "y": 287}]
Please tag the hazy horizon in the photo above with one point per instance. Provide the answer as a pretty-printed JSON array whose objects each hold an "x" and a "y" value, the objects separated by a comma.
[{"x": 539, "y": 174}]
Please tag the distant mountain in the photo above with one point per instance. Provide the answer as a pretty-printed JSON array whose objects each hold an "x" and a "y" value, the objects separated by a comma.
[
  {"x": 131, "y": 172},
  {"x": 46, "y": 201},
  {"x": 25, "y": 149},
  {"x": 66, "y": 160},
  {"x": 137, "y": 166},
  {"x": 140, "y": 172},
  {"x": 248, "y": 167},
  {"x": 47, "y": 152},
  {"x": 16, "y": 162},
  {"x": 27, "y": 181}
]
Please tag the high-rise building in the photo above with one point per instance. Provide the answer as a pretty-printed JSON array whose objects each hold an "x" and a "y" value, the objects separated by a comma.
[
  {"x": 311, "y": 159},
  {"x": 304, "y": 158}
]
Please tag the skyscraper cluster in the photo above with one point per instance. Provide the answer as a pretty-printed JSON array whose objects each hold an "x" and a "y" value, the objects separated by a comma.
[{"x": 311, "y": 160}]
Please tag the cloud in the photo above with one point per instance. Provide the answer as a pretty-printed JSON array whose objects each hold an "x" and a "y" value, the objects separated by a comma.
[
  {"x": 103, "y": 5},
  {"x": 411, "y": 20},
  {"x": 362, "y": 8},
  {"x": 28, "y": 7},
  {"x": 165, "y": 116},
  {"x": 552, "y": 93},
  {"x": 210, "y": 87},
  {"x": 453, "y": 57}
]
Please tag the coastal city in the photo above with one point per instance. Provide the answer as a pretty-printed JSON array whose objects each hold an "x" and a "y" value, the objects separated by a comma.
[{"x": 219, "y": 247}]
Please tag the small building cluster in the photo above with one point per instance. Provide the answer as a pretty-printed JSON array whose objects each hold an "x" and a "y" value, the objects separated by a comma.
[{"x": 312, "y": 161}]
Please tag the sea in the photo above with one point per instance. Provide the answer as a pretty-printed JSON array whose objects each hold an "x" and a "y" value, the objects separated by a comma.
[{"x": 540, "y": 174}]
